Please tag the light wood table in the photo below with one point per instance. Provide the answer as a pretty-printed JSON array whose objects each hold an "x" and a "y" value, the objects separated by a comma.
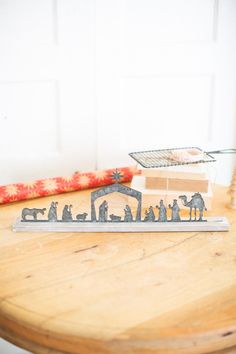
[{"x": 118, "y": 293}]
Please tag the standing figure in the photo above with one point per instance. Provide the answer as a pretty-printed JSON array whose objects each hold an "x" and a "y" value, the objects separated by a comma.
[
  {"x": 52, "y": 213},
  {"x": 103, "y": 210},
  {"x": 162, "y": 211},
  {"x": 70, "y": 212},
  {"x": 66, "y": 214},
  {"x": 175, "y": 209},
  {"x": 128, "y": 214},
  {"x": 149, "y": 215}
]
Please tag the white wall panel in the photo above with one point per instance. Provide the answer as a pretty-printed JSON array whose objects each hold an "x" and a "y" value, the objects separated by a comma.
[
  {"x": 150, "y": 22},
  {"x": 76, "y": 23},
  {"x": 47, "y": 86},
  {"x": 29, "y": 122},
  {"x": 92, "y": 72},
  {"x": 76, "y": 39},
  {"x": 151, "y": 120},
  {"x": 165, "y": 76},
  {"x": 26, "y": 22}
]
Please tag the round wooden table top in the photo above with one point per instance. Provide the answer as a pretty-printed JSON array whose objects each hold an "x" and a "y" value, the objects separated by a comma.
[{"x": 118, "y": 293}]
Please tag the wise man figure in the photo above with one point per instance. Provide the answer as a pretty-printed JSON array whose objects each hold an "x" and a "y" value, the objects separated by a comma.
[
  {"x": 162, "y": 211},
  {"x": 52, "y": 213},
  {"x": 103, "y": 211},
  {"x": 175, "y": 209},
  {"x": 128, "y": 214},
  {"x": 149, "y": 215}
]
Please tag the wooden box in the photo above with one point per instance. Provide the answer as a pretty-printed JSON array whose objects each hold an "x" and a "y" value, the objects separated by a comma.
[
  {"x": 153, "y": 196},
  {"x": 177, "y": 184}
]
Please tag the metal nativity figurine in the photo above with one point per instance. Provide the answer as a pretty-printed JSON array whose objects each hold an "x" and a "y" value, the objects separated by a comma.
[{"x": 161, "y": 217}]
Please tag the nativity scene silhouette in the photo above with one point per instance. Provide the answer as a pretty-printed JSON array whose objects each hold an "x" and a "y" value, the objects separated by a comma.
[{"x": 158, "y": 214}]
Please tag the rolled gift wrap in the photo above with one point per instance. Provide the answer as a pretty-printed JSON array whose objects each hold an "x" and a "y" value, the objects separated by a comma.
[{"x": 57, "y": 185}]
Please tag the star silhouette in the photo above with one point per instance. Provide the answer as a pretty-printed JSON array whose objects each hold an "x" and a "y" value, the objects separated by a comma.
[{"x": 116, "y": 175}]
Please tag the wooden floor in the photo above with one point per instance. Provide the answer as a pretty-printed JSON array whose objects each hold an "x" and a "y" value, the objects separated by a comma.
[{"x": 118, "y": 293}]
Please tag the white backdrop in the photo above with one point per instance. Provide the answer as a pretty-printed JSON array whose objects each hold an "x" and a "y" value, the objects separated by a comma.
[{"x": 84, "y": 82}]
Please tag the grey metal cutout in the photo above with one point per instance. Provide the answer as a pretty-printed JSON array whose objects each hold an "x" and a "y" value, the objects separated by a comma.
[
  {"x": 52, "y": 213},
  {"x": 149, "y": 215},
  {"x": 32, "y": 212},
  {"x": 111, "y": 189},
  {"x": 175, "y": 209},
  {"x": 67, "y": 214},
  {"x": 196, "y": 204},
  {"x": 162, "y": 212}
]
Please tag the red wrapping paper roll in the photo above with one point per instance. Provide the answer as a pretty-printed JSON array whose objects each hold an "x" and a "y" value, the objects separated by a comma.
[{"x": 57, "y": 185}]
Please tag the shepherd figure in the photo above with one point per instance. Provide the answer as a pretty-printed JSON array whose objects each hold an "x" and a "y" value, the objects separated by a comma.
[
  {"x": 52, "y": 213},
  {"x": 103, "y": 211}
]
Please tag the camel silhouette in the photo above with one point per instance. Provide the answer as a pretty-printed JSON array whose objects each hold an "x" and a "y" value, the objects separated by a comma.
[{"x": 195, "y": 203}]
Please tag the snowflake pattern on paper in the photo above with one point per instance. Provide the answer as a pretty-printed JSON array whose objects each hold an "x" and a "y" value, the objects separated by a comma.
[
  {"x": 11, "y": 190},
  {"x": 49, "y": 184},
  {"x": 84, "y": 181}
]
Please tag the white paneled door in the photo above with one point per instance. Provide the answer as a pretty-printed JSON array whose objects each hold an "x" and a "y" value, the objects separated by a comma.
[
  {"x": 166, "y": 76},
  {"x": 46, "y": 88},
  {"x": 84, "y": 82}
]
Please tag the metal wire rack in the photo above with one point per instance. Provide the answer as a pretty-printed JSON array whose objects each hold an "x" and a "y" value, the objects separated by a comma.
[{"x": 164, "y": 157}]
